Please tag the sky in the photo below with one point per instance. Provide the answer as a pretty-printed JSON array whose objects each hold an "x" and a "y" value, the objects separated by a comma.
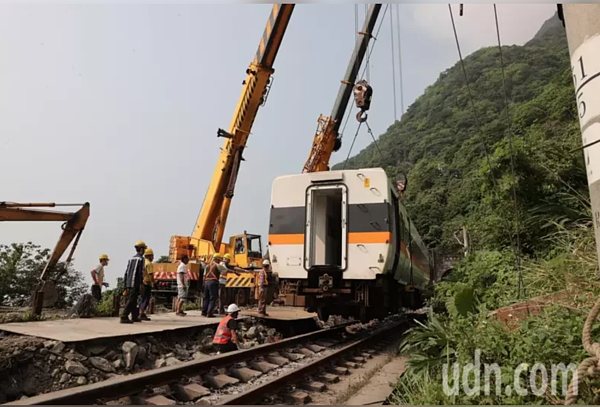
[{"x": 119, "y": 105}]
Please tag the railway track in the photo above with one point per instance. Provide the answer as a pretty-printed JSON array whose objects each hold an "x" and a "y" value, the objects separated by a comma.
[{"x": 299, "y": 365}]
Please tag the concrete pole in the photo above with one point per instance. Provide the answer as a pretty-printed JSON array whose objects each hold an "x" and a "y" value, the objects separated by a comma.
[{"x": 582, "y": 24}]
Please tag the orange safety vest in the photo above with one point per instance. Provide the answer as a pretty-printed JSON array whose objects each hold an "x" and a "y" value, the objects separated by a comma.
[
  {"x": 210, "y": 274},
  {"x": 223, "y": 334}
]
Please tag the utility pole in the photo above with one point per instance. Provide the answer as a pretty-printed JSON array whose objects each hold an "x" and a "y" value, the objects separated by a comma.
[{"x": 582, "y": 24}]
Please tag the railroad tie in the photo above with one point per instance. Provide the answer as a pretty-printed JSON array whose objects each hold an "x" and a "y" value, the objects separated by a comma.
[
  {"x": 348, "y": 364},
  {"x": 313, "y": 386},
  {"x": 219, "y": 381},
  {"x": 159, "y": 400},
  {"x": 262, "y": 366},
  {"x": 342, "y": 371},
  {"x": 325, "y": 344},
  {"x": 298, "y": 397},
  {"x": 316, "y": 348},
  {"x": 190, "y": 392},
  {"x": 292, "y": 356},
  {"x": 306, "y": 351},
  {"x": 277, "y": 360},
  {"x": 329, "y": 378},
  {"x": 357, "y": 359},
  {"x": 244, "y": 374}
]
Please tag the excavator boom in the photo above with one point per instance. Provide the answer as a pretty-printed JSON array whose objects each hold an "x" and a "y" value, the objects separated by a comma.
[{"x": 73, "y": 226}]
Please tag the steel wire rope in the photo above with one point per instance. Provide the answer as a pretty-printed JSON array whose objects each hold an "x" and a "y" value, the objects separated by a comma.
[
  {"x": 366, "y": 66},
  {"x": 477, "y": 122},
  {"x": 512, "y": 159},
  {"x": 393, "y": 64}
]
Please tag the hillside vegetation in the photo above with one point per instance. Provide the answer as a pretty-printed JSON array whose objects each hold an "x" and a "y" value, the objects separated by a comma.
[
  {"x": 459, "y": 173},
  {"x": 439, "y": 146}
]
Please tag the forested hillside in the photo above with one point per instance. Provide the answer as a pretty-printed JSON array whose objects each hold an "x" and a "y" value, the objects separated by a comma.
[
  {"x": 459, "y": 170},
  {"x": 440, "y": 147}
]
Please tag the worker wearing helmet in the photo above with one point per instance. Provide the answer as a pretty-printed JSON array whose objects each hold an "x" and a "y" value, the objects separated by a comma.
[
  {"x": 211, "y": 286},
  {"x": 133, "y": 280},
  {"x": 147, "y": 283},
  {"x": 226, "y": 339},
  {"x": 262, "y": 289},
  {"x": 98, "y": 277},
  {"x": 224, "y": 269}
]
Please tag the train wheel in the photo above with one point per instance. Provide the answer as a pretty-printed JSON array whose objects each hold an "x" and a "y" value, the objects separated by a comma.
[{"x": 323, "y": 313}]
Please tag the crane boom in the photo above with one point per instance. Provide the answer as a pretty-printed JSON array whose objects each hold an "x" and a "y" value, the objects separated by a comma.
[
  {"x": 327, "y": 139},
  {"x": 213, "y": 216},
  {"x": 207, "y": 236}
]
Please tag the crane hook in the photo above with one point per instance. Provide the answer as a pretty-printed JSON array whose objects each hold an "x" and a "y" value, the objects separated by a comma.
[{"x": 361, "y": 116}]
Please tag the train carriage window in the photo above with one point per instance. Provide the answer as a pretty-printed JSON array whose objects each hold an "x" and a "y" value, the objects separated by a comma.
[{"x": 326, "y": 232}]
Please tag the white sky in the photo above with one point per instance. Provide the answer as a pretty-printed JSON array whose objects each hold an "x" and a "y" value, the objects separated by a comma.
[{"x": 119, "y": 105}]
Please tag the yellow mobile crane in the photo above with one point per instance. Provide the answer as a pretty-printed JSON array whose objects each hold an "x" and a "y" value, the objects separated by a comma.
[
  {"x": 207, "y": 237},
  {"x": 74, "y": 222}
]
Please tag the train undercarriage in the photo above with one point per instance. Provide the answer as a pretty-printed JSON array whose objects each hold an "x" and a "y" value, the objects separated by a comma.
[{"x": 327, "y": 293}]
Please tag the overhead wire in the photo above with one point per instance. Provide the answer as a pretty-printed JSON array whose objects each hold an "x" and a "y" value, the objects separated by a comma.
[
  {"x": 478, "y": 124},
  {"x": 368, "y": 70},
  {"x": 512, "y": 159},
  {"x": 393, "y": 63},
  {"x": 400, "y": 60}
]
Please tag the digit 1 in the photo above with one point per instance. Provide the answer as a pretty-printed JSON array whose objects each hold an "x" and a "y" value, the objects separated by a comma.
[{"x": 581, "y": 66}]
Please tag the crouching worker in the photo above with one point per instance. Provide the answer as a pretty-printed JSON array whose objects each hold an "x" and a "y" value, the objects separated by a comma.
[{"x": 226, "y": 339}]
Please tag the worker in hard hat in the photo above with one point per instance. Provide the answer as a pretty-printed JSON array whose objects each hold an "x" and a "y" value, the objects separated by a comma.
[
  {"x": 147, "y": 283},
  {"x": 182, "y": 285},
  {"x": 211, "y": 286},
  {"x": 226, "y": 339},
  {"x": 98, "y": 277},
  {"x": 262, "y": 288},
  {"x": 133, "y": 278},
  {"x": 225, "y": 268}
]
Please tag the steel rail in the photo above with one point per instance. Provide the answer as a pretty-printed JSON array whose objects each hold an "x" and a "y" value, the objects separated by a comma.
[
  {"x": 256, "y": 394},
  {"x": 135, "y": 383}
]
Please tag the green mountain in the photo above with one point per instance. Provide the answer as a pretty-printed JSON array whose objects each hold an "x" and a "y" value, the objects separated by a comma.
[{"x": 458, "y": 164}]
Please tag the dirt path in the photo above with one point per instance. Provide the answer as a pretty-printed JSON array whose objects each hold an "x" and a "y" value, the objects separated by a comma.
[{"x": 370, "y": 383}]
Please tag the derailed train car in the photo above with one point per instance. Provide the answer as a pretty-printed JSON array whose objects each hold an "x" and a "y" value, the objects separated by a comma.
[{"x": 342, "y": 243}]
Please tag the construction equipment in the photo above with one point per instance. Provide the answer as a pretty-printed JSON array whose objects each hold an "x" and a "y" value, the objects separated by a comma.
[
  {"x": 327, "y": 138},
  {"x": 74, "y": 222},
  {"x": 207, "y": 236}
]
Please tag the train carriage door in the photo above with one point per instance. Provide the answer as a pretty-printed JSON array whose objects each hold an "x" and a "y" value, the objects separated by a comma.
[{"x": 326, "y": 227}]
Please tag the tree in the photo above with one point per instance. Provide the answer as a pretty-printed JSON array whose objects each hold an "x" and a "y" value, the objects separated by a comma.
[
  {"x": 21, "y": 265},
  {"x": 163, "y": 259}
]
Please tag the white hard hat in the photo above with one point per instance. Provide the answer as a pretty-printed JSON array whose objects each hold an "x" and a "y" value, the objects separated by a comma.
[
  {"x": 232, "y": 308},
  {"x": 266, "y": 262}
]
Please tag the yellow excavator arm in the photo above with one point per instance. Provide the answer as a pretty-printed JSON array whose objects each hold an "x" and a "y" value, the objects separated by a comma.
[
  {"x": 74, "y": 223},
  {"x": 207, "y": 237}
]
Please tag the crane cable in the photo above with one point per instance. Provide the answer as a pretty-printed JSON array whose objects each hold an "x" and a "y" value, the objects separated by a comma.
[
  {"x": 512, "y": 159},
  {"x": 399, "y": 60},
  {"x": 478, "y": 124},
  {"x": 370, "y": 131},
  {"x": 393, "y": 64},
  {"x": 366, "y": 66}
]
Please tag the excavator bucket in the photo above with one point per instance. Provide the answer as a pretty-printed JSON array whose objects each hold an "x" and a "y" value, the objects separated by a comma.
[{"x": 50, "y": 293}]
